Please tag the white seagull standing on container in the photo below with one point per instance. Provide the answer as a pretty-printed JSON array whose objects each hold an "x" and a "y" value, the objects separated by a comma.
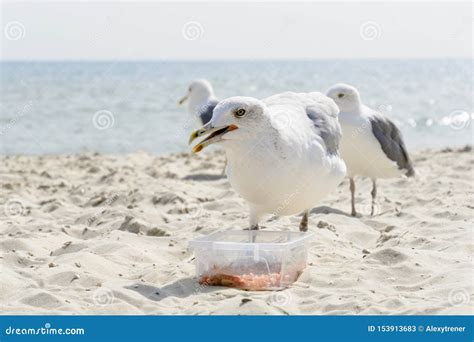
[
  {"x": 371, "y": 144},
  {"x": 282, "y": 151},
  {"x": 201, "y": 101}
]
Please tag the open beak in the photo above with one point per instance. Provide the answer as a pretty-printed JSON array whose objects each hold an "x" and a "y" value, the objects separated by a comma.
[
  {"x": 214, "y": 135},
  {"x": 183, "y": 99}
]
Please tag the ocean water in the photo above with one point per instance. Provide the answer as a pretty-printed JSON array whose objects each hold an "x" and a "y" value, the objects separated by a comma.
[{"x": 121, "y": 107}]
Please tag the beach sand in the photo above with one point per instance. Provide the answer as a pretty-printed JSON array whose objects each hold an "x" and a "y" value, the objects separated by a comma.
[{"x": 106, "y": 234}]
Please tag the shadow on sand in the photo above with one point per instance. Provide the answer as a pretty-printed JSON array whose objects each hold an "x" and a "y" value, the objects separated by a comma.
[
  {"x": 181, "y": 288},
  {"x": 203, "y": 177},
  {"x": 328, "y": 210}
]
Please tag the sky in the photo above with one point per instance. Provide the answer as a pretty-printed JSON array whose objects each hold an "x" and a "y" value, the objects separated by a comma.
[{"x": 130, "y": 30}]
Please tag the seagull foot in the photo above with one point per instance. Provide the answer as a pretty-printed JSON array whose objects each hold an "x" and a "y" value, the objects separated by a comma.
[
  {"x": 256, "y": 227},
  {"x": 304, "y": 222}
]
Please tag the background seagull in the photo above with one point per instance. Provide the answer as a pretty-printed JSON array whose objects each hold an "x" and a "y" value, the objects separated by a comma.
[
  {"x": 282, "y": 151},
  {"x": 201, "y": 101},
  {"x": 371, "y": 144}
]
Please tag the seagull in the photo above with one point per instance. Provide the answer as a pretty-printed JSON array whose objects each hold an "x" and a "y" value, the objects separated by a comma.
[
  {"x": 282, "y": 151},
  {"x": 371, "y": 144},
  {"x": 201, "y": 101},
  {"x": 201, "y": 104}
]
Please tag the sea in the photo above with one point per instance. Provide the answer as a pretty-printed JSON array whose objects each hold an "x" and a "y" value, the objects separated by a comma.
[{"x": 118, "y": 107}]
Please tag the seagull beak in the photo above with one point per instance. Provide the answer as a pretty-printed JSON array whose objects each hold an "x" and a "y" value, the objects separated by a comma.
[
  {"x": 214, "y": 135},
  {"x": 184, "y": 98}
]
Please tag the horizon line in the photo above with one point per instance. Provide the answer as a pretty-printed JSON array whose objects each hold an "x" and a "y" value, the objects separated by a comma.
[{"x": 185, "y": 60}]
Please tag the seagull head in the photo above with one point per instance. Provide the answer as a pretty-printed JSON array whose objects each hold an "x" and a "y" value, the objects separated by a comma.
[
  {"x": 346, "y": 96},
  {"x": 198, "y": 92},
  {"x": 236, "y": 118}
]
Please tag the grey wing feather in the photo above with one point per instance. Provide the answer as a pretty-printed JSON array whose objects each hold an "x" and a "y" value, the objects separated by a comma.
[
  {"x": 205, "y": 112},
  {"x": 321, "y": 110},
  {"x": 391, "y": 141},
  {"x": 327, "y": 126}
]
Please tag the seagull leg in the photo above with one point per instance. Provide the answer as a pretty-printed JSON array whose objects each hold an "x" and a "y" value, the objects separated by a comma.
[
  {"x": 255, "y": 227},
  {"x": 253, "y": 224},
  {"x": 304, "y": 222},
  {"x": 254, "y": 217},
  {"x": 373, "y": 193},
  {"x": 352, "y": 187}
]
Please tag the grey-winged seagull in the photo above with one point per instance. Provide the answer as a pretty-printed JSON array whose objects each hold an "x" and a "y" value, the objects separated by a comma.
[
  {"x": 371, "y": 144},
  {"x": 282, "y": 151},
  {"x": 201, "y": 101}
]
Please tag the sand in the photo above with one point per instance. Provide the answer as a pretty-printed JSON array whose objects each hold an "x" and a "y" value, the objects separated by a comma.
[{"x": 106, "y": 234}]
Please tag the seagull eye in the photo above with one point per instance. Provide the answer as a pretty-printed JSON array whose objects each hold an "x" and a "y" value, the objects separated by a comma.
[
  {"x": 240, "y": 112},
  {"x": 340, "y": 95},
  {"x": 189, "y": 89}
]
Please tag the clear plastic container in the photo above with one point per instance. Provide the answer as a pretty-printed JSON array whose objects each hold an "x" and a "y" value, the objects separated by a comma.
[{"x": 251, "y": 260}]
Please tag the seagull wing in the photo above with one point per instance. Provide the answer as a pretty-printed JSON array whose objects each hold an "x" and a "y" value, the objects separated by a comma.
[
  {"x": 205, "y": 112},
  {"x": 320, "y": 109},
  {"x": 323, "y": 113},
  {"x": 391, "y": 141}
]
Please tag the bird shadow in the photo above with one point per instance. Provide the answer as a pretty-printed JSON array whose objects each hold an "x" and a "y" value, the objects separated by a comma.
[
  {"x": 181, "y": 288},
  {"x": 328, "y": 210},
  {"x": 203, "y": 177}
]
